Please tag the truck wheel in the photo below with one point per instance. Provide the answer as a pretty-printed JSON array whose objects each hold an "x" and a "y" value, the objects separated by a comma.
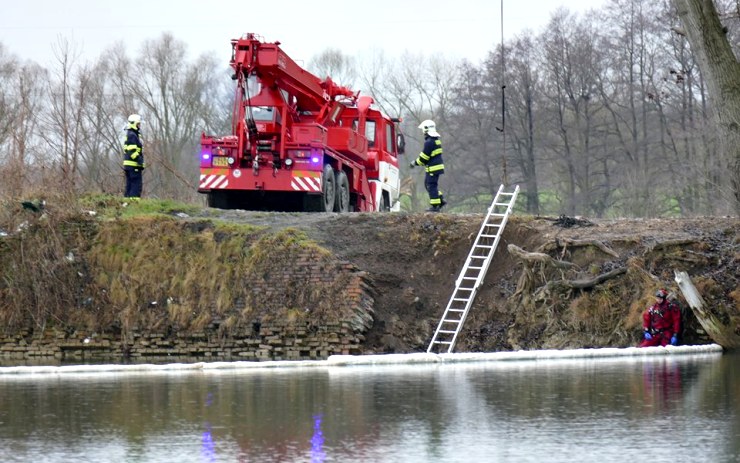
[
  {"x": 219, "y": 200},
  {"x": 328, "y": 187},
  {"x": 385, "y": 204},
  {"x": 342, "y": 195}
]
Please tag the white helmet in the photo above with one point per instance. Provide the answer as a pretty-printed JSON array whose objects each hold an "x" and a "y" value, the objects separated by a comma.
[
  {"x": 429, "y": 128},
  {"x": 134, "y": 119}
]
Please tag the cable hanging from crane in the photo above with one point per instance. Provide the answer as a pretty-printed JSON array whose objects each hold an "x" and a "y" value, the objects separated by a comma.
[{"x": 504, "y": 179}]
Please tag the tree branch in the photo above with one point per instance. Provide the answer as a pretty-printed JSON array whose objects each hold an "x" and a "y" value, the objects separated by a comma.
[
  {"x": 537, "y": 257},
  {"x": 584, "y": 284},
  {"x": 565, "y": 242}
]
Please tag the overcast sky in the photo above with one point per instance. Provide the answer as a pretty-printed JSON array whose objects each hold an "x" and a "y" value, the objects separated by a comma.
[{"x": 458, "y": 29}]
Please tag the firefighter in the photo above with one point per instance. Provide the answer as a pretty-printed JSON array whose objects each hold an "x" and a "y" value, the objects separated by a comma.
[
  {"x": 661, "y": 322},
  {"x": 133, "y": 158},
  {"x": 431, "y": 158}
]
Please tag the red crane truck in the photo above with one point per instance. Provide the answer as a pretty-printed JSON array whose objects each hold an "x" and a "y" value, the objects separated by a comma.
[{"x": 299, "y": 143}]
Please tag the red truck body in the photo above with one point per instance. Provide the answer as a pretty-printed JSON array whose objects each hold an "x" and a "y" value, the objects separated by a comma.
[{"x": 299, "y": 143}]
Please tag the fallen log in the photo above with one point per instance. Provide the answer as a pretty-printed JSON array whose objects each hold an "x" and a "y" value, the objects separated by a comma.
[{"x": 724, "y": 335}]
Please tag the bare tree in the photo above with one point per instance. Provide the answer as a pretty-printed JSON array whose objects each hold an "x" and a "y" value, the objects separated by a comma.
[
  {"x": 8, "y": 114},
  {"x": 101, "y": 148},
  {"x": 174, "y": 99},
  {"x": 336, "y": 65},
  {"x": 571, "y": 63},
  {"x": 719, "y": 65},
  {"x": 8, "y": 68},
  {"x": 477, "y": 125},
  {"x": 416, "y": 87},
  {"x": 524, "y": 94},
  {"x": 60, "y": 125}
]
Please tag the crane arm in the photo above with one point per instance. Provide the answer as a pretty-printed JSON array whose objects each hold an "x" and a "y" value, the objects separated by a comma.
[{"x": 275, "y": 68}]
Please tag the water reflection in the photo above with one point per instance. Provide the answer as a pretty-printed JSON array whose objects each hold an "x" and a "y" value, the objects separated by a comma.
[
  {"x": 502, "y": 411},
  {"x": 661, "y": 385},
  {"x": 209, "y": 448},
  {"x": 317, "y": 442}
]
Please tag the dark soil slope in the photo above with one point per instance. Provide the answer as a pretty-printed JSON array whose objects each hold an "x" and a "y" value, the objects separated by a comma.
[
  {"x": 553, "y": 283},
  {"x": 413, "y": 261}
]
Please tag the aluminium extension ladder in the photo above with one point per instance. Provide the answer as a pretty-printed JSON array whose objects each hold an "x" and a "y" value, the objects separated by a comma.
[{"x": 474, "y": 270}]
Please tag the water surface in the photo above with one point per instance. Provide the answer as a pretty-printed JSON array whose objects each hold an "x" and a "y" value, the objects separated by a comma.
[{"x": 674, "y": 409}]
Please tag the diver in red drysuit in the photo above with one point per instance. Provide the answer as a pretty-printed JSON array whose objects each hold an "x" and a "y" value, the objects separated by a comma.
[{"x": 661, "y": 322}]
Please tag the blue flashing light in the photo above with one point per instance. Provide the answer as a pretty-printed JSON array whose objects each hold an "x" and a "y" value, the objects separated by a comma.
[
  {"x": 205, "y": 155},
  {"x": 315, "y": 159},
  {"x": 318, "y": 455}
]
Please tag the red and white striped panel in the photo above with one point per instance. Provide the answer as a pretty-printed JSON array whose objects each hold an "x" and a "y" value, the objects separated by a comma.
[
  {"x": 306, "y": 184},
  {"x": 213, "y": 182}
]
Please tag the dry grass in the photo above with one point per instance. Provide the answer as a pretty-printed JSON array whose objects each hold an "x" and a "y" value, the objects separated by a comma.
[{"x": 137, "y": 267}]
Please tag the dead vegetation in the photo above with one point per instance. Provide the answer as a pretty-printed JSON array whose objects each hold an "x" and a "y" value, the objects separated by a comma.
[
  {"x": 165, "y": 266},
  {"x": 158, "y": 272}
]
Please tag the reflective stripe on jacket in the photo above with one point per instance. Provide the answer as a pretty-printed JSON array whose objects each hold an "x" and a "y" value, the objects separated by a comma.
[
  {"x": 132, "y": 155},
  {"x": 431, "y": 156}
]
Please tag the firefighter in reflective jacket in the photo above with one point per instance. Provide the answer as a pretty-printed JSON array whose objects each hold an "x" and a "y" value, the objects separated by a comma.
[
  {"x": 133, "y": 158},
  {"x": 431, "y": 158},
  {"x": 661, "y": 322}
]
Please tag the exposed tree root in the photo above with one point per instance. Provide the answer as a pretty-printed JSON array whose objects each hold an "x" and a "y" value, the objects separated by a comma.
[
  {"x": 669, "y": 243},
  {"x": 563, "y": 285},
  {"x": 565, "y": 243},
  {"x": 531, "y": 258}
]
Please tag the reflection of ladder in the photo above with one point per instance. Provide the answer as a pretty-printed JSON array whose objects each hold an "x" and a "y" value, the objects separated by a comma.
[{"x": 472, "y": 274}]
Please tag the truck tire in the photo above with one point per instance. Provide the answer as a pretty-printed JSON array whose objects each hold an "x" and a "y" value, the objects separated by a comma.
[
  {"x": 329, "y": 189},
  {"x": 219, "y": 200},
  {"x": 385, "y": 204},
  {"x": 341, "y": 203}
]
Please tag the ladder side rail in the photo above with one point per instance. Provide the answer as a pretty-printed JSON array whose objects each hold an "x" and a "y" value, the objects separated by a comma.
[
  {"x": 444, "y": 317},
  {"x": 487, "y": 260},
  {"x": 481, "y": 271},
  {"x": 446, "y": 314},
  {"x": 468, "y": 305},
  {"x": 469, "y": 259},
  {"x": 451, "y": 344},
  {"x": 505, "y": 219}
]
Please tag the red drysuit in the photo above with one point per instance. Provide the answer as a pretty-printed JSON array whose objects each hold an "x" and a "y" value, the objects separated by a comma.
[{"x": 662, "y": 320}]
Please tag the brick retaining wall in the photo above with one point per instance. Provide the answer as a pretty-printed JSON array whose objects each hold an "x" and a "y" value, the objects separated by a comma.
[
  {"x": 346, "y": 297},
  {"x": 277, "y": 341}
]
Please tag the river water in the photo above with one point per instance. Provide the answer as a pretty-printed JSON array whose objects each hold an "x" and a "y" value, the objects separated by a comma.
[{"x": 661, "y": 409}]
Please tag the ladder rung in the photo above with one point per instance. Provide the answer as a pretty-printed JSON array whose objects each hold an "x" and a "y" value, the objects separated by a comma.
[{"x": 488, "y": 249}]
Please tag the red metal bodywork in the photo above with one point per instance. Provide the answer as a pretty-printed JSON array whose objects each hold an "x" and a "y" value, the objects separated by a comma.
[{"x": 287, "y": 127}]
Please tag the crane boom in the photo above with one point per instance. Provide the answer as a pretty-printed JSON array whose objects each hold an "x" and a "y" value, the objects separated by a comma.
[{"x": 325, "y": 147}]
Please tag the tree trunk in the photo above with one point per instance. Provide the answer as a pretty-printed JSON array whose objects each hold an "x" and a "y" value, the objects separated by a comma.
[{"x": 721, "y": 71}]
